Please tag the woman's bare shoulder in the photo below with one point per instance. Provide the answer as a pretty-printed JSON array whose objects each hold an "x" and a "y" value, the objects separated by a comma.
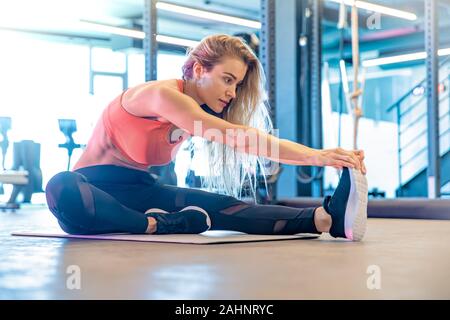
[
  {"x": 136, "y": 99},
  {"x": 168, "y": 83}
]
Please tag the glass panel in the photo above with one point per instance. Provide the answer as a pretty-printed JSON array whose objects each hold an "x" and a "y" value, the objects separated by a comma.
[
  {"x": 104, "y": 59},
  {"x": 383, "y": 85},
  {"x": 136, "y": 69},
  {"x": 169, "y": 66},
  {"x": 44, "y": 81},
  {"x": 107, "y": 87}
]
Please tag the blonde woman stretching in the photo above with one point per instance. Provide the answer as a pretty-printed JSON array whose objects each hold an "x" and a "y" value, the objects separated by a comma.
[{"x": 220, "y": 98}]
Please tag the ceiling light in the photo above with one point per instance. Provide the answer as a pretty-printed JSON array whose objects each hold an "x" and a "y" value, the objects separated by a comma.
[
  {"x": 93, "y": 26},
  {"x": 208, "y": 15},
  {"x": 394, "y": 59},
  {"x": 176, "y": 41},
  {"x": 444, "y": 52},
  {"x": 380, "y": 9},
  {"x": 402, "y": 58}
]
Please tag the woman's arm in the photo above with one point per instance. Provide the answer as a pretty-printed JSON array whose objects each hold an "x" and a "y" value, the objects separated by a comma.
[
  {"x": 185, "y": 113},
  {"x": 176, "y": 107},
  {"x": 289, "y": 152}
]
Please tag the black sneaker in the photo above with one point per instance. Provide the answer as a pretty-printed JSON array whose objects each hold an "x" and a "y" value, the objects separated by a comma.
[
  {"x": 348, "y": 206},
  {"x": 191, "y": 220}
]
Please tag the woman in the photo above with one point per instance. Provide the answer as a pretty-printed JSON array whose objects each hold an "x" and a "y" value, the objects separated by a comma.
[{"x": 221, "y": 98}]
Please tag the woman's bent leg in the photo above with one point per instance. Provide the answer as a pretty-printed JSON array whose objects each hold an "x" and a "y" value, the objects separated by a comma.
[{"x": 82, "y": 208}]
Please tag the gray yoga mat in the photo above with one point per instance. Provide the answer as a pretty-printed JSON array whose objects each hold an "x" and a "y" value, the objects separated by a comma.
[{"x": 208, "y": 237}]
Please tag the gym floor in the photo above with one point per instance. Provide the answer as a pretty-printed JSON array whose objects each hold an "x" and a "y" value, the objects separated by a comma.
[{"x": 410, "y": 258}]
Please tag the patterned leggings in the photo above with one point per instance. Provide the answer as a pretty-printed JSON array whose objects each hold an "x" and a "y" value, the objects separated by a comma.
[{"x": 109, "y": 199}]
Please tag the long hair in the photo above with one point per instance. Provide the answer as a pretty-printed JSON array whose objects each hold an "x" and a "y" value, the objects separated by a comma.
[{"x": 231, "y": 172}]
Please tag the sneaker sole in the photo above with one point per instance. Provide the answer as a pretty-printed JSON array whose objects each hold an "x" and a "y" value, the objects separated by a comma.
[
  {"x": 208, "y": 219},
  {"x": 356, "y": 211},
  {"x": 155, "y": 210}
]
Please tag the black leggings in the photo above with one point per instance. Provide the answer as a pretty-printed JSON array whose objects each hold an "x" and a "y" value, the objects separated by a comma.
[{"x": 109, "y": 199}]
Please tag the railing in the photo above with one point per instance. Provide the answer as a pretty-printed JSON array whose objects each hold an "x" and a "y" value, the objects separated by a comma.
[{"x": 411, "y": 114}]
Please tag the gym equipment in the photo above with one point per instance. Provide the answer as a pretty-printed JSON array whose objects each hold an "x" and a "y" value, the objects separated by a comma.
[
  {"x": 68, "y": 127},
  {"x": 401, "y": 208},
  {"x": 354, "y": 100},
  {"x": 16, "y": 178},
  {"x": 5, "y": 125},
  {"x": 357, "y": 112},
  {"x": 25, "y": 174},
  {"x": 265, "y": 190}
]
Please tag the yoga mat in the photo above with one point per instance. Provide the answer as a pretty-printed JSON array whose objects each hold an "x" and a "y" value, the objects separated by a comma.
[{"x": 208, "y": 237}]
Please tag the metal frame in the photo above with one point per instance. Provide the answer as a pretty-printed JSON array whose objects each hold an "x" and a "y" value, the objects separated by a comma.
[
  {"x": 92, "y": 74},
  {"x": 267, "y": 55},
  {"x": 316, "y": 94},
  {"x": 432, "y": 80},
  {"x": 279, "y": 53},
  {"x": 310, "y": 77},
  {"x": 267, "y": 50},
  {"x": 149, "y": 43},
  {"x": 294, "y": 84}
]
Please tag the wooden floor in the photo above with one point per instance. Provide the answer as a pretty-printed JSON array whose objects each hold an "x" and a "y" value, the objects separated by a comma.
[{"x": 399, "y": 259}]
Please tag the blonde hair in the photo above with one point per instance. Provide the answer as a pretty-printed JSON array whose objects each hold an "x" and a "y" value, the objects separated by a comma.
[{"x": 232, "y": 172}]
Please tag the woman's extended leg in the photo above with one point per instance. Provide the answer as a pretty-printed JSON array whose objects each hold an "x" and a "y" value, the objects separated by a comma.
[
  {"x": 229, "y": 213},
  {"x": 100, "y": 206},
  {"x": 343, "y": 215}
]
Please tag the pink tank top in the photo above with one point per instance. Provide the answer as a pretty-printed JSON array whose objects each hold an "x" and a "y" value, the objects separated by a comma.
[{"x": 123, "y": 139}]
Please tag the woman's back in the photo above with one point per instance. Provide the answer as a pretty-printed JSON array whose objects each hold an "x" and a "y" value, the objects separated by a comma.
[{"x": 123, "y": 139}]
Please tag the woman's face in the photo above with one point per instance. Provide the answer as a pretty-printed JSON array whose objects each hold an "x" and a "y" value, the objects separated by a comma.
[{"x": 217, "y": 87}]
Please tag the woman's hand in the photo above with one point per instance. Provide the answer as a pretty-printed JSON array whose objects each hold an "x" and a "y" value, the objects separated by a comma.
[{"x": 339, "y": 158}]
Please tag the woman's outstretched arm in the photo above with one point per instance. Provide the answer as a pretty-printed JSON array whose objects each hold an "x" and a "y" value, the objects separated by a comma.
[{"x": 185, "y": 113}]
